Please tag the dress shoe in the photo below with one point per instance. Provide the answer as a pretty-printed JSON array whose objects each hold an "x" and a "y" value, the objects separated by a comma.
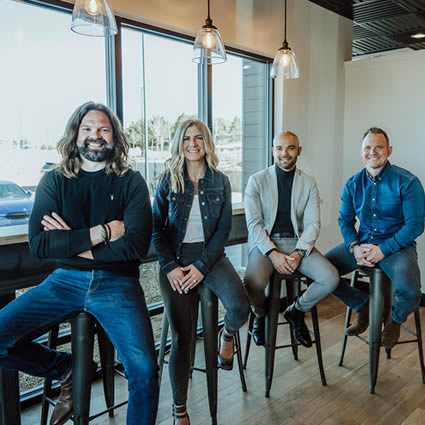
[
  {"x": 362, "y": 322},
  {"x": 258, "y": 331},
  {"x": 296, "y": 318},
  {"x": 223, "y": 363},
  {"x": 63, "y": 408},
  {"x": 391, "y": 333}
]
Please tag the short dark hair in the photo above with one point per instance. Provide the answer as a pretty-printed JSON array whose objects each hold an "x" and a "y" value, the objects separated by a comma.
[{"x": 376, "y": 130}]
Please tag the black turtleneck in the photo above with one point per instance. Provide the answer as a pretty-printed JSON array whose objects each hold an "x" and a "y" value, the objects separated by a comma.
[{"x": 283, "y": 222}]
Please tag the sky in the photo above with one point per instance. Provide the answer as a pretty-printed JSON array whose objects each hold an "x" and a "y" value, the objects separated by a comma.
[{"x": 47, "y": 71}]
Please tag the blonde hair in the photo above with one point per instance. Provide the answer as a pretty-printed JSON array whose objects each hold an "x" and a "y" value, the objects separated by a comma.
[
  {"x": 175, "y": 165},
  {"x": 67, "y": 146}
]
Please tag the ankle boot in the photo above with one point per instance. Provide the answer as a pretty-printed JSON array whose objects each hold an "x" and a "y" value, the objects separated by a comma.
[
  {"x": 63, "y": 408},
  {"x": 296, "y": 318},
  {"x": 258, "y": 331},
  {"x": 391, "y": 333},
  {"x": 362, "y": 322}
]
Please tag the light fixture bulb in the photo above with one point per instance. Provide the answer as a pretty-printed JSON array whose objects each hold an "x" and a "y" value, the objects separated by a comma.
[
  {"x": 93, "y": 7},
  {"x": 209, "y": 41},
  {"x": 286, "y": 59}
]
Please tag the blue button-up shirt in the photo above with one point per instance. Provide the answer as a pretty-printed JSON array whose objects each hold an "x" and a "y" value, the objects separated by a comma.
[{"x": 389, "y": 206}]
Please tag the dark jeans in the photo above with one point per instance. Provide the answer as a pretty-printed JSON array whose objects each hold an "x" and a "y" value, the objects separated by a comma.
[
  {"x": 401, "y": 268},
  {"x": 117, "y": 302},
  {"x": 226, "y": 285}
]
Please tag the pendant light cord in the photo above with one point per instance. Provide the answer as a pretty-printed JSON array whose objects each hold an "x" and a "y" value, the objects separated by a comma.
[
  {"x": 285, "y": 20},
  {"x": 209, "y": 9}
]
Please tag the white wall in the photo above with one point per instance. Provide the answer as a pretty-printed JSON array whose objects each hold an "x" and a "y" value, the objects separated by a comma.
[{"x": 387, "y": 92}]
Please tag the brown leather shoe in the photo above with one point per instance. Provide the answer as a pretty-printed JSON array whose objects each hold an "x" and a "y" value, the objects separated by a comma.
[
  {"x": 362, "y": 322},
  {"x": 63, "y": 408},
  {"x": 391, "y": 333}
]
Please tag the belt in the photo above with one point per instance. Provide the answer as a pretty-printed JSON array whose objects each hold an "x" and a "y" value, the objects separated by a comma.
[{"x": 282, "y": 235}]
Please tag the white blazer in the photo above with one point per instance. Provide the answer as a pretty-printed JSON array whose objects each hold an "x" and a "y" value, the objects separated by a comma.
[{"x": 261, "y": 202}]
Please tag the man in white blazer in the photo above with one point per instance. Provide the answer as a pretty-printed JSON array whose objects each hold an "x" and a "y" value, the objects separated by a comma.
[{"x": 283, "y": 218}]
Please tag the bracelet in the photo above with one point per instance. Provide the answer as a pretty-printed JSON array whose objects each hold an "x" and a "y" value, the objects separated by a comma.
[
  {"x": 102, "y": 233},
  {"x": 109, "y": 233}
]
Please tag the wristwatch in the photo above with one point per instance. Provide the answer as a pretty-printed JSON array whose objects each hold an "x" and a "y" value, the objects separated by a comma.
[
  {"x": 300, "y": 252},
  {"x": 352, "y": 246}
]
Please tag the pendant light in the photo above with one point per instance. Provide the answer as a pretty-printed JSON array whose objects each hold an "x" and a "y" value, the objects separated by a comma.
[
  {"x": 208, "y": 47},
  {"x": 285, "y": 62},
  {"x": 94, "y": 18}
]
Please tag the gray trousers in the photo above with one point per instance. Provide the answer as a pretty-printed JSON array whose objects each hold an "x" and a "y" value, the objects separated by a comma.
[{"x": 314, "y": 266}]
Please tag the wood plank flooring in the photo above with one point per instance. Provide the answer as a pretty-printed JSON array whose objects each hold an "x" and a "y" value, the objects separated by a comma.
[{"x": 297, "y": 396}]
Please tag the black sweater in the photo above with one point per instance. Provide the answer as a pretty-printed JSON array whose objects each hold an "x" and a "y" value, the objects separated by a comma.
[{"x": 91, "y": 199}]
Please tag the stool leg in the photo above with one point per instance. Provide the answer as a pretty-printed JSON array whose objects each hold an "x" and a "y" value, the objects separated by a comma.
[
  {"x": 209, "y": 304},
  {"x": 316, "y": 330},
  {"x": 195, "y": 316},
  {"x": 376, "y": 309},
  {"x": 52, "y": 342},
  {"x": 238, "y": 351},
  {"x": 291, "y": 292},
  {"x": 82, "y": 354},
  {"x": 345, "y": 337},
  {"x": 272, "y": 315},
  {"x": 107, "y": 360},
  {"x": 163, "y": 344},
  {"x": 248, "y": 337},
  {"x": 419, "y": 338}
]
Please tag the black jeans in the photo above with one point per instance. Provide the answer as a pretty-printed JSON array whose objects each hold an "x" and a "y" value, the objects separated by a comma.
[{"x": 226, "y": 285}]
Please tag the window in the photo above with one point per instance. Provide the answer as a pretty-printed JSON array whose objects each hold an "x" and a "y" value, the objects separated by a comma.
[
  {"x": 47, "y": 72},
  {"x": 240, "y": 117},
  {"x": 160, "y": 89}
]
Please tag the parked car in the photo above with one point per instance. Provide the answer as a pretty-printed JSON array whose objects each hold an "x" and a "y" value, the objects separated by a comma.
[{"x": 15, "y": 204}]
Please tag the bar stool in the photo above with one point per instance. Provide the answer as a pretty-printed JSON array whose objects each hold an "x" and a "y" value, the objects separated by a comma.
[
  {"x": 82, "y": 340},
  {"x": 380, "y": 295},
  {"x": 273, "y": 302},
  {"x": 209, "y": 313}
]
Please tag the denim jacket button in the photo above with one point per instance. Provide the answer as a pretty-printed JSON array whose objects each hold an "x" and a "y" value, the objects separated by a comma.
[
  {"x": 201, "y": 192},
  {"x": 202, "y": 203},
  {"x": 205, "y": 217}
]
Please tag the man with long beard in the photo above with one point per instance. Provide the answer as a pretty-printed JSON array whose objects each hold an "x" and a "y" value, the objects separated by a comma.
[{"x": 93, "y": 215}]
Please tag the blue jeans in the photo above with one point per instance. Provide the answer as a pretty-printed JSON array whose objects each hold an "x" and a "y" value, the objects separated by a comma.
[
  {"x": 401, "y": 268},
  {"x": 117, "y": 302}
]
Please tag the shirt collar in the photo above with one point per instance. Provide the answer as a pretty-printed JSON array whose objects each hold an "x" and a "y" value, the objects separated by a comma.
[
  {"x": 207, "y": 176},
  {"x": 381, "y": 174}
]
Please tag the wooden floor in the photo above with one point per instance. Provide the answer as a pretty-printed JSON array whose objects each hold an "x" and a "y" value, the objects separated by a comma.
[{"x": 297, "y": 396}]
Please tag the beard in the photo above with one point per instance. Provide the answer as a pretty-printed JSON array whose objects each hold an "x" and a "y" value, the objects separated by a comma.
[
  {"x": 290, "y": 164},
  {"x": 95, "y": 155}
]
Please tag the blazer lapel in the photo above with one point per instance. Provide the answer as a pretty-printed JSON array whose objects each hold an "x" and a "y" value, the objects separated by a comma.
[
  {"x": 273, "y": 197},
  {"x": 295, "y": 196}
]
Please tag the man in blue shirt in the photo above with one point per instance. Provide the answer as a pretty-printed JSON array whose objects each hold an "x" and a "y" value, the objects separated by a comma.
[{"x": 389, "y": 203}]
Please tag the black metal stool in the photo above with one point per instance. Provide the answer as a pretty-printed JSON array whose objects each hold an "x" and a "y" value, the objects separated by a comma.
[
  {"x": 380, "y": 295},
  {"x": 273, "y": 302},
  {"x": 209, "y": 312},
  {"x": 82, "y": 341}
]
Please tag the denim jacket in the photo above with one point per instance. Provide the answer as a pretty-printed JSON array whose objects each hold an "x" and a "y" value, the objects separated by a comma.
[{"x": 171, "y": 211}]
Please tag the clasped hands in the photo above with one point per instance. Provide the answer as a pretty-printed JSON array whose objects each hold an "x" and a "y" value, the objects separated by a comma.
[
  {"x": 283, "y": 263},
  {"x": 368, "y": 254},
  {"x": 182, "y": 279}
]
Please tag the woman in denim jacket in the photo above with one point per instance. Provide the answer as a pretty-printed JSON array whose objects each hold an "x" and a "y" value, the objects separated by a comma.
[{"x": 192, "y": 216}]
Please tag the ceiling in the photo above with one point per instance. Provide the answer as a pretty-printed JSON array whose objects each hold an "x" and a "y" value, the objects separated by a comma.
[{"x": 381, "y": 25}]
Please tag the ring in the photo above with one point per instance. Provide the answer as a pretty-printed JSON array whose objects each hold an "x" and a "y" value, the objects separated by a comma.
[
  {"x": 175, "y": 282},
  {"x": 194, "y": 281}
]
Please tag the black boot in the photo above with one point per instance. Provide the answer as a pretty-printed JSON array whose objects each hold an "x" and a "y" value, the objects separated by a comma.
[
  {"x": 258, "y": 331},
  {"x": 296, "y": 318}
]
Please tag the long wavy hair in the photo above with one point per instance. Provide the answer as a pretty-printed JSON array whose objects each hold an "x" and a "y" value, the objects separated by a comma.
[
  {"x": 175, "y": 165},
  {"x": 67, "y": 146}
]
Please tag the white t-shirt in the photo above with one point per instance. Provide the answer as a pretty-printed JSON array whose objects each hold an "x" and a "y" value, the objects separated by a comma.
[{"x": 194, "y": 229}]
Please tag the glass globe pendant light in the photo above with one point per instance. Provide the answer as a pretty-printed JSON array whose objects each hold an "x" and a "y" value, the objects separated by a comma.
[
  {"x": 94, "y": 18},
  {"x": 285, "y": 62},
  {"x": 208, "y": 47}
]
